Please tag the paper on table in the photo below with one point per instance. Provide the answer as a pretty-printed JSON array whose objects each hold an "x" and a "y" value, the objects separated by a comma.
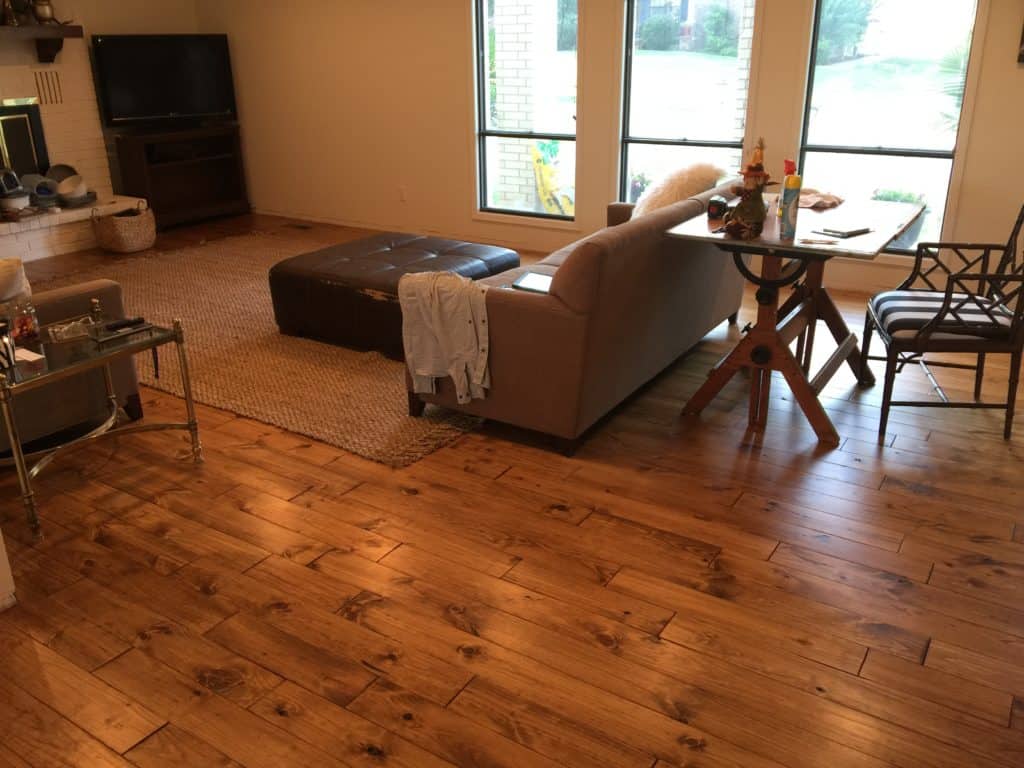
[{"x": 812, "y": 198}]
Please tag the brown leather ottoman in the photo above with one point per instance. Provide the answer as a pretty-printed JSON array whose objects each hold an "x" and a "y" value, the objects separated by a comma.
[{"x": 348, "y": 294}]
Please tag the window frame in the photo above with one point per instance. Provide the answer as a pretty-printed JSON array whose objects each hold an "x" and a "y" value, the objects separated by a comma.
[
  {"x": 880, "y": 151},
  {"x": 625, "y": 139},
  {"x": 483, "y": 132}
]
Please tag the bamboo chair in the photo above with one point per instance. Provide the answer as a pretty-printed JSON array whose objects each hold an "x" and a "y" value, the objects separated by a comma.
[{"x": 959, "y": 298}]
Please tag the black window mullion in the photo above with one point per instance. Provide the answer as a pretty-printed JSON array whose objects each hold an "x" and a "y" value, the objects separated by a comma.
[
  {"x": 627, "y": 98},
  {"x": 481, "y": 100},
  {"x": 683, "y": 142},
  {"x": 529, "y": 135},
  {"x": 809, "y": 93},
  {"x": 933, "y": 154}
]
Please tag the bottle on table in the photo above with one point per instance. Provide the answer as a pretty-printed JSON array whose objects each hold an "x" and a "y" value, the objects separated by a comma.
[
  {"x": 789, "y": 203},
  {"x": 25, "y": 325}
]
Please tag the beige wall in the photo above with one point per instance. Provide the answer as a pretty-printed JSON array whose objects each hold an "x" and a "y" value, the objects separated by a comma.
[
  {"x": 381, "y": 108},
  {"x": 347, "y": 108},
  {"x": 992, "y": 189},
  {"x": 114, "y": 17}
]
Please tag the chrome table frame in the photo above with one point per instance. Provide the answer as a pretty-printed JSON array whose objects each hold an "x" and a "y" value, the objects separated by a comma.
[{"x": 9, "y": 390}]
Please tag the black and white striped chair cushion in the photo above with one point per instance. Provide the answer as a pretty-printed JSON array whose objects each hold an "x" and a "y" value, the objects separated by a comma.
[{"x": 904, "y": 313}]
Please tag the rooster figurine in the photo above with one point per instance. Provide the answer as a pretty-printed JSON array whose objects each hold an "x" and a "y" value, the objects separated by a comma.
[{"x": 746, "y": 220}]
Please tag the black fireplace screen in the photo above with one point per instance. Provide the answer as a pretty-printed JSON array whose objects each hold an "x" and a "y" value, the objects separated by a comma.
[{"x": 22, "y": 145}]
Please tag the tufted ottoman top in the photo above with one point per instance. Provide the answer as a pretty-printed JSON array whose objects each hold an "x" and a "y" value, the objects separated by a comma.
[{"x": 377, "y": 263}]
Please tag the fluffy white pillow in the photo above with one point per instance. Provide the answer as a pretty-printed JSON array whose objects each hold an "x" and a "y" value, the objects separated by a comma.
[{"x": 678, "y": 185}]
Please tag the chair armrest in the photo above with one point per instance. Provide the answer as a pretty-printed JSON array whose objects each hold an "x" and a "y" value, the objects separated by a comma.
[
  {"x": 1002, "y": 291},
  {"x": 964, "y": 246},
  {"x": 931, "y": 270},
  {"x": 75, "y": 300}
]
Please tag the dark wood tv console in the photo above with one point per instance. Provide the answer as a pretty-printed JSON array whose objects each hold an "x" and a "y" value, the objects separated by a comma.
[{"x": 186, "y": 175}]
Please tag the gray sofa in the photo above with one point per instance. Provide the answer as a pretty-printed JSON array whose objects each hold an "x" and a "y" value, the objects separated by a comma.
[
  {"x": 625, "y": 302},
  {"x": 79, "y": 400}
]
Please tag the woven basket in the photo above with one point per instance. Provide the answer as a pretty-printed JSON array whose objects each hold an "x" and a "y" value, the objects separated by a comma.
[{"x": 126, "y": 232}]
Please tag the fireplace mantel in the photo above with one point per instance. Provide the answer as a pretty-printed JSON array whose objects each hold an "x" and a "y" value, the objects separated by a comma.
[{"x": 49, "y": 38}]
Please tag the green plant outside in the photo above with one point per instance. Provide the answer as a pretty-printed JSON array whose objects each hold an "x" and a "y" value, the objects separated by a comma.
[
  {"x": 568, "y": 22},
  {"x": 548, "y": 150},
  {"x": 953, "y": 71},
  {"x": 841, "y": 29},
  {"x": 898, "y": 196},
  {"x": 716, "y": 31},
  {"x": 658, "y": 33},
  {"x": 638, "y": 182}
]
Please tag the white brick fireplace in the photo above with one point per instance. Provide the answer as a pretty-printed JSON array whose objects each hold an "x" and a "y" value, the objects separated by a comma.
[{"x": 74, "y": 136}]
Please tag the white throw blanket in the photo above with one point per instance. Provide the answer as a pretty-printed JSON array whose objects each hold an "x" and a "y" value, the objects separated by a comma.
[{"x": 444, "y": 331}]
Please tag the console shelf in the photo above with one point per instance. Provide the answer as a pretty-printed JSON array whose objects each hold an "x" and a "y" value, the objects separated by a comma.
[
  {"x": 49, "y": 38},
  {"x": 186, "y": 175}
]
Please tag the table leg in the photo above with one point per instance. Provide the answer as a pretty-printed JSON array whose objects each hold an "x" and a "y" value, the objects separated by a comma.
[
  {"x": 807, "y": 398},
  {"x": 108, "y": 381},
  {"x": 765, "y": 349},
  {"x": 741, "y": 357},
  {"x": 24, "y": 479},
  {"x": 828, "y": 312},
  {"x": 186, "y": 387},
  {"x": 760, "y": 391},
  {"x": 811, "y": 289},
  {"x": 716, "y": 381}
]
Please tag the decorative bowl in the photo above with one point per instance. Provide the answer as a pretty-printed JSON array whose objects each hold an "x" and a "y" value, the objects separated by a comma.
[
  {"x": 72, "y": 186},
  {"x": 14, "y": 202},
  {"x": 30, "y": 181},
  {"x": 60, "y": 172}
]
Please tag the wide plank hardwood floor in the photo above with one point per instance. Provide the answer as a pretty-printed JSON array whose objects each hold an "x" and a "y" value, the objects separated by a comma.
[{"x": 678, "y": 593}]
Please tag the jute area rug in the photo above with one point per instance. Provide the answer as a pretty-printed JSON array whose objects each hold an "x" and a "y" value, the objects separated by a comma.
[{"x": 240, "y": 362}]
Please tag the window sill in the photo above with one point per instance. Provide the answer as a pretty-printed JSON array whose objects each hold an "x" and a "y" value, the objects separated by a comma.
[{"x": 538, "y": 222}]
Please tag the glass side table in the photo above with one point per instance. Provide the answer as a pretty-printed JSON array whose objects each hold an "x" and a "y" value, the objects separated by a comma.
[{"x": 65, "y": 359}]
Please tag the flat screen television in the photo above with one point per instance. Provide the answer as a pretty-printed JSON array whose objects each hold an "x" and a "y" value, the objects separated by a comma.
[{"x": 163, "y": 78}]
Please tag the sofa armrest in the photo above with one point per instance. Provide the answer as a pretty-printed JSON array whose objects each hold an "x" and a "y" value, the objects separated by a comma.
[
  {"x": 537, "y": 347},
  {"x": 72, "y": 301},
  {"x": 619, "y": 213},
  {"x": 76, "y": 300}
]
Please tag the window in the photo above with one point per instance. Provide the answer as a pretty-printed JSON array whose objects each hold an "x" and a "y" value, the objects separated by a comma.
[
  {"x": 885, "y": 91},
  {"x": 685, "y": 100},
  {"x": 526, "y": 106}
]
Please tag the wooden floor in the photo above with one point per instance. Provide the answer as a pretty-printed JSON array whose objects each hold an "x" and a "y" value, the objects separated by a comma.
[{"x": 676, "y": 594}]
